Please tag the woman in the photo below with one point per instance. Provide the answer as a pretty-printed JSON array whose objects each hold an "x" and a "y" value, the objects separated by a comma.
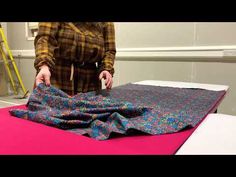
[{"x": 74, "y": 57}]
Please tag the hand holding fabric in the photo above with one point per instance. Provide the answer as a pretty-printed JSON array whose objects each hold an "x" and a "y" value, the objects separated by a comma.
[
  {"x": 108, "y": 79},
  {"x": 43, "y": 76}
]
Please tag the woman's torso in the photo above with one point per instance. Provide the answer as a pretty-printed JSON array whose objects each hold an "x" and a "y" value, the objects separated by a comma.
[{"x": 85, "y": 45}]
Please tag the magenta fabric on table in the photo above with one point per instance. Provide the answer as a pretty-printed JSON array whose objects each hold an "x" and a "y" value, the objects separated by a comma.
[{"x": 23, "y": 137}]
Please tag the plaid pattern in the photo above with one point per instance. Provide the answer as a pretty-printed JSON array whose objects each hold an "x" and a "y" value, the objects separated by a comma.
[{"x": 58, "y": 46}]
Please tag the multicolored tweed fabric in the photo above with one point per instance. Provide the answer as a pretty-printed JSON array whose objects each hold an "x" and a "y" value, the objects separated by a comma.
[{"x": 126, "y": 109}]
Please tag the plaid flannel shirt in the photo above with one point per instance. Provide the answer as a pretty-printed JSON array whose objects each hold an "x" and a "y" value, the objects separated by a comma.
[{"x": 57, "y": 45}]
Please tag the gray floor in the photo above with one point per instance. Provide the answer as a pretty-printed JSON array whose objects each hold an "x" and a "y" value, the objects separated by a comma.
[{"x": 12, "y": 100}]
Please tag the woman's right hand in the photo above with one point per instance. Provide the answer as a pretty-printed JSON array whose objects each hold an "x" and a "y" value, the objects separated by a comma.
[{"x": 43, "y": 76}]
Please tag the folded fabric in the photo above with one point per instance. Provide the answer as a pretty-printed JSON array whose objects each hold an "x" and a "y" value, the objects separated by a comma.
[{"x": 123, "y": 110}]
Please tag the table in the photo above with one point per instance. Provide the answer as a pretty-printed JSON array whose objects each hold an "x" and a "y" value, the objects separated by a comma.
[
  {"x": 214, "y": 136},
  {"x": 23, "y": 137}
]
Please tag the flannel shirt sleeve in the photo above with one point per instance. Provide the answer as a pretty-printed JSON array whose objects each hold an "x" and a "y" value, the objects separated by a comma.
[
  {"x": 46, "y": 44},
  {"x": 107, "y": 62}
]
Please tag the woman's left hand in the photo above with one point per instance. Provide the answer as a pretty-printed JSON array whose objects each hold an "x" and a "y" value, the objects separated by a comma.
[{"x": 108, "y": 79}]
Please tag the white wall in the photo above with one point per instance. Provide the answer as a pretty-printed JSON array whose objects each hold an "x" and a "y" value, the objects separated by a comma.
[
  {"x": 16, "y": 36},
  {"x": 133, "y": 35},
  {"x": 174, "y": 34}
]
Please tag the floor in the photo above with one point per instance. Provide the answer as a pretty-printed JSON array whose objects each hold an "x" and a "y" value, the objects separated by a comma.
[{"x": 12, "y": 100}]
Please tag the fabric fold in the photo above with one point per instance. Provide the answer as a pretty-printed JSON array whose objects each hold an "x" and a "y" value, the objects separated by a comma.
[{"x": 147, "y": 109}]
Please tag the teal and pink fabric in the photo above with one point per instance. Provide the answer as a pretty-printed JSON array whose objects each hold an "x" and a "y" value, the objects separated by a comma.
[{"x": 125, "y": 110}]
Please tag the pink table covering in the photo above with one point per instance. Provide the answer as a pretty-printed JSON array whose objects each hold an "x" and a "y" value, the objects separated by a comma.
[{"x": 23, "y": 137}]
